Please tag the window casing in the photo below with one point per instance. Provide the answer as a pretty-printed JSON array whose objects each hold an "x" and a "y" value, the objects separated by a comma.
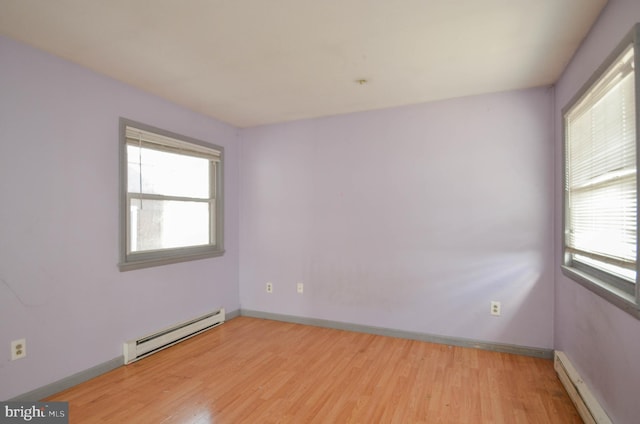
[
  {"x": 600, "y": 179},
  {"x": 170, "y": 197}
]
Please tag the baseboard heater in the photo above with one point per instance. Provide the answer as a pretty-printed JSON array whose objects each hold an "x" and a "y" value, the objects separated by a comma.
[
  {"x": 145, "y": 346},
  {"x": 588, "y": 407}
]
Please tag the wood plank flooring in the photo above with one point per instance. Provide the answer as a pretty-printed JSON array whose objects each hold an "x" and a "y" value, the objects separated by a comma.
[{"x": 259, "y": 371}]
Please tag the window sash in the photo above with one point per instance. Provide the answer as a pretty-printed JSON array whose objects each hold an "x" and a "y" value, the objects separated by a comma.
[
  {"x": 153, "y": 171},
  {"x": 211, "y": 227}
]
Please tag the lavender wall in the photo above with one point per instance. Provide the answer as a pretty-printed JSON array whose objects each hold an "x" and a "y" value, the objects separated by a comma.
[
  {"x": 602, "y": 342},
  {"x": 412, "y": 218},
  {"x": 59, "y": 283}
]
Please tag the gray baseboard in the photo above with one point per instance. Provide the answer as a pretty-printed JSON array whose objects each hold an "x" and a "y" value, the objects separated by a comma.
[
  {"x": 231, "y": 315},
  {"x": 381, "y": 331},
  {"x": 67, "y": 382},
  {"x": 82, "y": 376}
]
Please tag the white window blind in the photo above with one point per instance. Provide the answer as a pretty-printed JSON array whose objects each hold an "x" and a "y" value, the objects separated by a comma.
[
  {"x": 600, "y": 171},
  {"x": 142, "y": 138}
]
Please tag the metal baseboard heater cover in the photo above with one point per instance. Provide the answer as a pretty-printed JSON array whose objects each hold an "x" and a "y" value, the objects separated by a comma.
[
  {"x": 145, "y": 346},
  {"x": 588, "y": 406}
]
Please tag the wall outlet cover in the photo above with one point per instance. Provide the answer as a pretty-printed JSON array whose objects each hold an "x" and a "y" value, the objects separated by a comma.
[{"x": 18, "y": 349}]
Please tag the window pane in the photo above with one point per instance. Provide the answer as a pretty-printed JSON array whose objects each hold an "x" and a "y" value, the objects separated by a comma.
[
  {"x": 163, "y": 224},
  {"x": 601, "y": 168},
  {"x": 167, "y": 173}
]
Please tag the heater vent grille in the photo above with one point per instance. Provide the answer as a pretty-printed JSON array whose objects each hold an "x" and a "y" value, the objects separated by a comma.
[
  {"x": 147, "y": 345},
  {"x": 588, "y": 407}
]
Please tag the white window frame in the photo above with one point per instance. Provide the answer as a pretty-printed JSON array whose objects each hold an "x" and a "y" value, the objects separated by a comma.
[
  {"x": 163, "y": 140},
  {"x": 615, "y": 288}
]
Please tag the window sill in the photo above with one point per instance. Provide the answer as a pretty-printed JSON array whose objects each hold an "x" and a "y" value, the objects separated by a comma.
[
  {"x": 623, "y": 300},
  {"x": 148, "y": 263}
]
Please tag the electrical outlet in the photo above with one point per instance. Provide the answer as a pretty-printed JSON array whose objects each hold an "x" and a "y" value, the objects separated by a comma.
[
  {"x": 495, "y": 308},
  {"x": 300, "y": 288},
  {"x": 18, "y": 349},
  {"x": 269, "y": 287}
]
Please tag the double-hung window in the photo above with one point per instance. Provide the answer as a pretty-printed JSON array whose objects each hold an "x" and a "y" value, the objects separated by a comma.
[
  {"x": 171, "y": 197},
  {"x": 601, "y": 181}
]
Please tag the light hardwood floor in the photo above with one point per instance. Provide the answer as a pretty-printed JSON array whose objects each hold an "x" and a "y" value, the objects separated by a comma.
[{"x": 259, "y": 371}]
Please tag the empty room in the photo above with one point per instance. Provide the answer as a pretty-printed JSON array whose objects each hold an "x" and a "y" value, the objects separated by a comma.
[{"x": 296, "y": 211}]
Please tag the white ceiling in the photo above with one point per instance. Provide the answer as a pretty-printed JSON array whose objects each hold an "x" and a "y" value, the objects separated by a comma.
[{"x": 253, "y": 62}]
